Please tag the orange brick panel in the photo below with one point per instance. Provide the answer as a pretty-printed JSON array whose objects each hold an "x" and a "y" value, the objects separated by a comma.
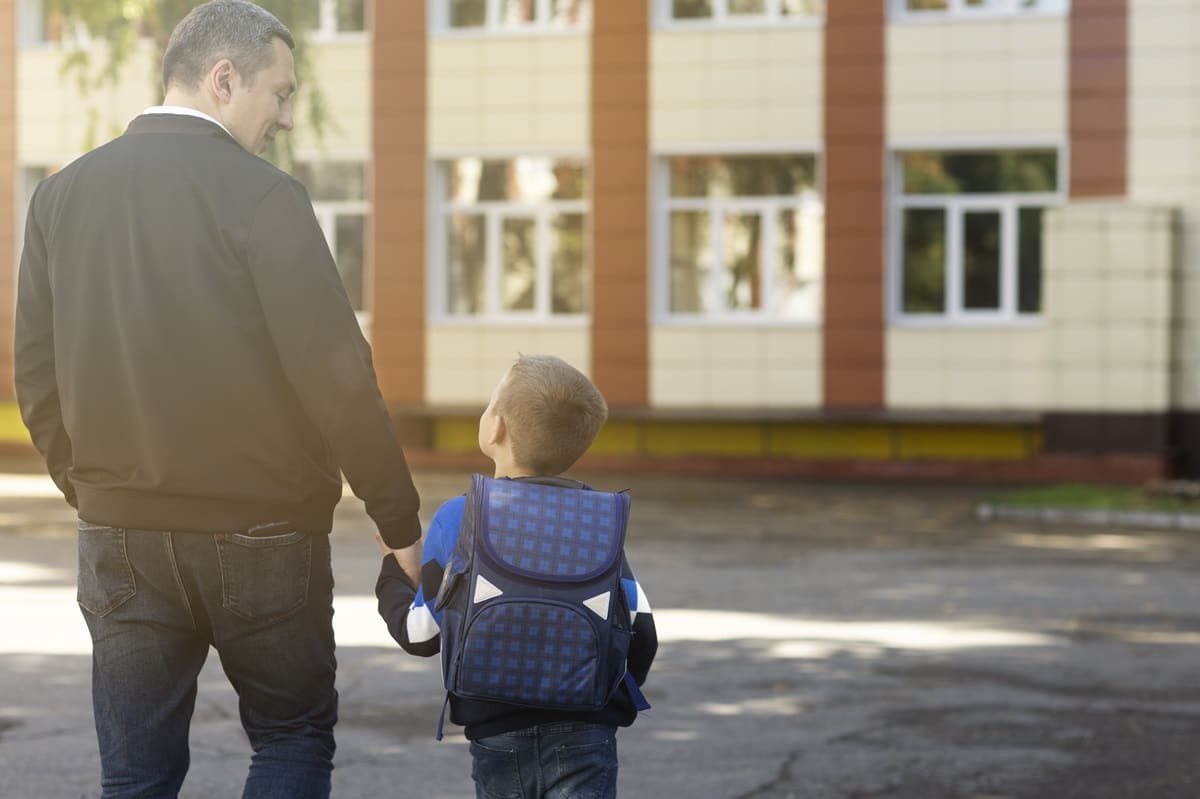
[
  {"x": 397, "y": 250},
  {"x": 854, "y": 174},
  {"x": 1105, "y": 74},
  {"x": 1098, "y": 114}
]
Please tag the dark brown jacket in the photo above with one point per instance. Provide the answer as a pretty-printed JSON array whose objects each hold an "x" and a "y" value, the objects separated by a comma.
[{"x": 186, "y": 356}]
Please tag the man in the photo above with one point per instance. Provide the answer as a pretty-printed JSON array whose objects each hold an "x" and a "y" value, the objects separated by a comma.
[{"x": 190, "y": 367}]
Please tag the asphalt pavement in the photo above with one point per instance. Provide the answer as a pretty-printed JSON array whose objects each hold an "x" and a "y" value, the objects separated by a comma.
[{"x": 816, "y": 640}]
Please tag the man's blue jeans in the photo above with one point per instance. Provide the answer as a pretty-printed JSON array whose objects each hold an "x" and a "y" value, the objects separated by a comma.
[
  {"x": 564, "y": 760},
  {"x": 156, "y": 601}
]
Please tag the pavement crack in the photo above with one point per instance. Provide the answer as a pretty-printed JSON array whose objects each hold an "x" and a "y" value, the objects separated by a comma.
[{"x": 778, "y": 782}]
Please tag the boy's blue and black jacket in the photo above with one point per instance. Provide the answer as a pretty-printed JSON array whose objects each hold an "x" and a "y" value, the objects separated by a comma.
[{"x": 412, "y": 621}]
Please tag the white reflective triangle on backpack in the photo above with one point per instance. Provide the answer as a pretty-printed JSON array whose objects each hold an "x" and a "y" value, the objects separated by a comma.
[
  {"x": 484, "y": 590},
  {"x": 599, "y": 604}
]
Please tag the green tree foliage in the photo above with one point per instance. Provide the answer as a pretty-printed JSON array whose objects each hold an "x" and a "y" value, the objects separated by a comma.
[{"x": 99, "y": 36}]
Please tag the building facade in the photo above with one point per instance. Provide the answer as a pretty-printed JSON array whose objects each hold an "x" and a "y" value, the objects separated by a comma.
[{"x": 831, "y": 237}]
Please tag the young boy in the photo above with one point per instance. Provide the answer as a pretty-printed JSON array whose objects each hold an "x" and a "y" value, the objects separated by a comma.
[{"x": 542, "y": 416}]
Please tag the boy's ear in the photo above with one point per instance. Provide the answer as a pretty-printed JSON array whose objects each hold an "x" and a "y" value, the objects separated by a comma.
[{"x": 499, "y": 432}]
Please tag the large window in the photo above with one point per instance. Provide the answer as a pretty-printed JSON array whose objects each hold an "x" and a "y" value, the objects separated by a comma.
[
  {"x": 510, "y": 16},
  {"x": 338, "y": 190},
  {"x": 339, "y": 17},
  {"x": 512, "y": 239},
  {"x": 725, "y": 12},
  {"x": 742, "y": 237},
  {"x": 977, "y": 8},
  {"x": 967, "y": 233}
]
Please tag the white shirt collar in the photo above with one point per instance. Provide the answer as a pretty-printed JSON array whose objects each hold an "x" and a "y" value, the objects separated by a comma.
[{"x": 185, "y": 111}]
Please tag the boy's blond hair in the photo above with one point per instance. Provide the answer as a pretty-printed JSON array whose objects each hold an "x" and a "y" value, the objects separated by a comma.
[{"x": 552, "y": 413}]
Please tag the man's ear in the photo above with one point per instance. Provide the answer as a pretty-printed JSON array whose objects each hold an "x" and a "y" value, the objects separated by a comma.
[{"x": 221, "y": 78}]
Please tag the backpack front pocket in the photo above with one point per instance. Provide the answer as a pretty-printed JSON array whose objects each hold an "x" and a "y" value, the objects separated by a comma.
[{"x": 531, "y": 653}]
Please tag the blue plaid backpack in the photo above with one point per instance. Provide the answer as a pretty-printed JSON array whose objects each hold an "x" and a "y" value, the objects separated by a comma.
[{"x": 533, "y": 612}]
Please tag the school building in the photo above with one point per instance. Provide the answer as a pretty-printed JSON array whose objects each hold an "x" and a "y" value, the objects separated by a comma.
[{"x": 950, "y": 238}]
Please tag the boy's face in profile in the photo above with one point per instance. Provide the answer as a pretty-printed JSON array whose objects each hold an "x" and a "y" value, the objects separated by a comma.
[{"x": 488, "y": 420}]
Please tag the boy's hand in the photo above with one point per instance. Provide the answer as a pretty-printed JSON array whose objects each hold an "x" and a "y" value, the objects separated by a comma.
[{"x": 409, "y": 558}]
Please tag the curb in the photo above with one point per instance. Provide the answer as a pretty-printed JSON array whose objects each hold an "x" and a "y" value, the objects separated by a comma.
[{"x": 1152, "y": 520}]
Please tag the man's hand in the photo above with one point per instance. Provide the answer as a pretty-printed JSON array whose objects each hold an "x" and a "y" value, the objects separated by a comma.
[{"x": 409, "y": 558}]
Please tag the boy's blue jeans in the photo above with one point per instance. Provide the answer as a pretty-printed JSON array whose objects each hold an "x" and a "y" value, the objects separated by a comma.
[
  {"x": 564, "y": 760},
  {"x": 155, "y": 601}
]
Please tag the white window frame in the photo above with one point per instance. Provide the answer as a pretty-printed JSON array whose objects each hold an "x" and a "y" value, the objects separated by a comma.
[
  {"x": 494, "y": 212},
  {"x": 327, "y": 24},
  {"x": 439, "y": 22},
  {"x": 717, "y": 207},
  {"x": 995, "y": 9},
  {"x": 955, "y": 205},
  {"x": 721, "y": 17},
  {"x": 31, "y": 24},
  {"x": 327, "y": 214}
]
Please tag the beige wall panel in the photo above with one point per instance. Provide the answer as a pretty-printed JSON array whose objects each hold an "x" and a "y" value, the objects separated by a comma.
[
  {"x": 1164, "y": 160},
  {"x": 1108, "y": 307},
  {"x": 508, "y": 94},
  {"x": 343, "y": 71},
  {"x": 985, "y": 78},
  {"x": 52, "y": 115},
  {"x": 735, "y": 367},
  {"x": 954, "y": 368},
  {"x": 738, "y": 86},
  {"x": 463, "y": 363}
]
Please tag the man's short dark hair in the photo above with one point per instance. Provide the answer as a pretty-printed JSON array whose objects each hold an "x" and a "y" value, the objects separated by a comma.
[{"x": 233, "y": 29}]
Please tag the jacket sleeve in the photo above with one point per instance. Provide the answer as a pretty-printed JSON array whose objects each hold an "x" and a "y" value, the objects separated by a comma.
[
  {"x": 33, "y": 357},
  {"x": 408, "y": 609},
  {"x": 326, "y": 358},
  {"x": 644, "y": 645}
]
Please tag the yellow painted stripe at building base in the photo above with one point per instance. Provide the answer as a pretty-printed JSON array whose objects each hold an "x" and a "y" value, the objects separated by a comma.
[
  {"x": 854, "y": 442},
  {"x": 12, "y": 430},
  {"x": 805, "y": 440}
]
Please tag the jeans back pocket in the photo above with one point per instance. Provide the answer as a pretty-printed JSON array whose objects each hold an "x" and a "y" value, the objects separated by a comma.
[
  {"x": 264, "y": 578},
  {"x": 105, "y": 576}
]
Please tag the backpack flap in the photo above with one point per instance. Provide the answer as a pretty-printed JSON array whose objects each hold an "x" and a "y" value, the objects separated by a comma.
[{"x": 554, "y": 534}]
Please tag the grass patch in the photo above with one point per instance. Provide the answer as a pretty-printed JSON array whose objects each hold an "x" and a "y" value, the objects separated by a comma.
[{"x": 1094, "y": 497}]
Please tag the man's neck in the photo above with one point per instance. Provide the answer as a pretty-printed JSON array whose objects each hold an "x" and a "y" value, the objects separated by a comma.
[{"x": 195, "y": 102}]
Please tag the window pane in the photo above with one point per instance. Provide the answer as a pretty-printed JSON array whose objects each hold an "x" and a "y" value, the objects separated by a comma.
[
  {"x": 802, "y": 8},
  {"x": 691, "y": 261},
  {"x": 742, "y": 240},
  {"x": 518, "y": 264},
  {"x": 351, "y": 15},
  {"x": 568, "y": 288},
  {"x": 1000, "y": 172},
  {"x": 691, "y": 9},
  {"x": 351, "y": 243},
  {"x": 465, "y": 259},
  {"x": 468, "y": 13},
  {"x": 517, "y": 12},
  {"x": 799, "y": 262},
  {"x": 567, "y": 13},
  {"x": 743, "y": 176},
  {"x": 522, "y": 179},
  {"x": 924, "y": 282},
  {"x": 332, "y": 181},
  {"x": 737, "y": 7},
  {"x": 1029, "y": 260},
  {"x": 981, "y": 260}
]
